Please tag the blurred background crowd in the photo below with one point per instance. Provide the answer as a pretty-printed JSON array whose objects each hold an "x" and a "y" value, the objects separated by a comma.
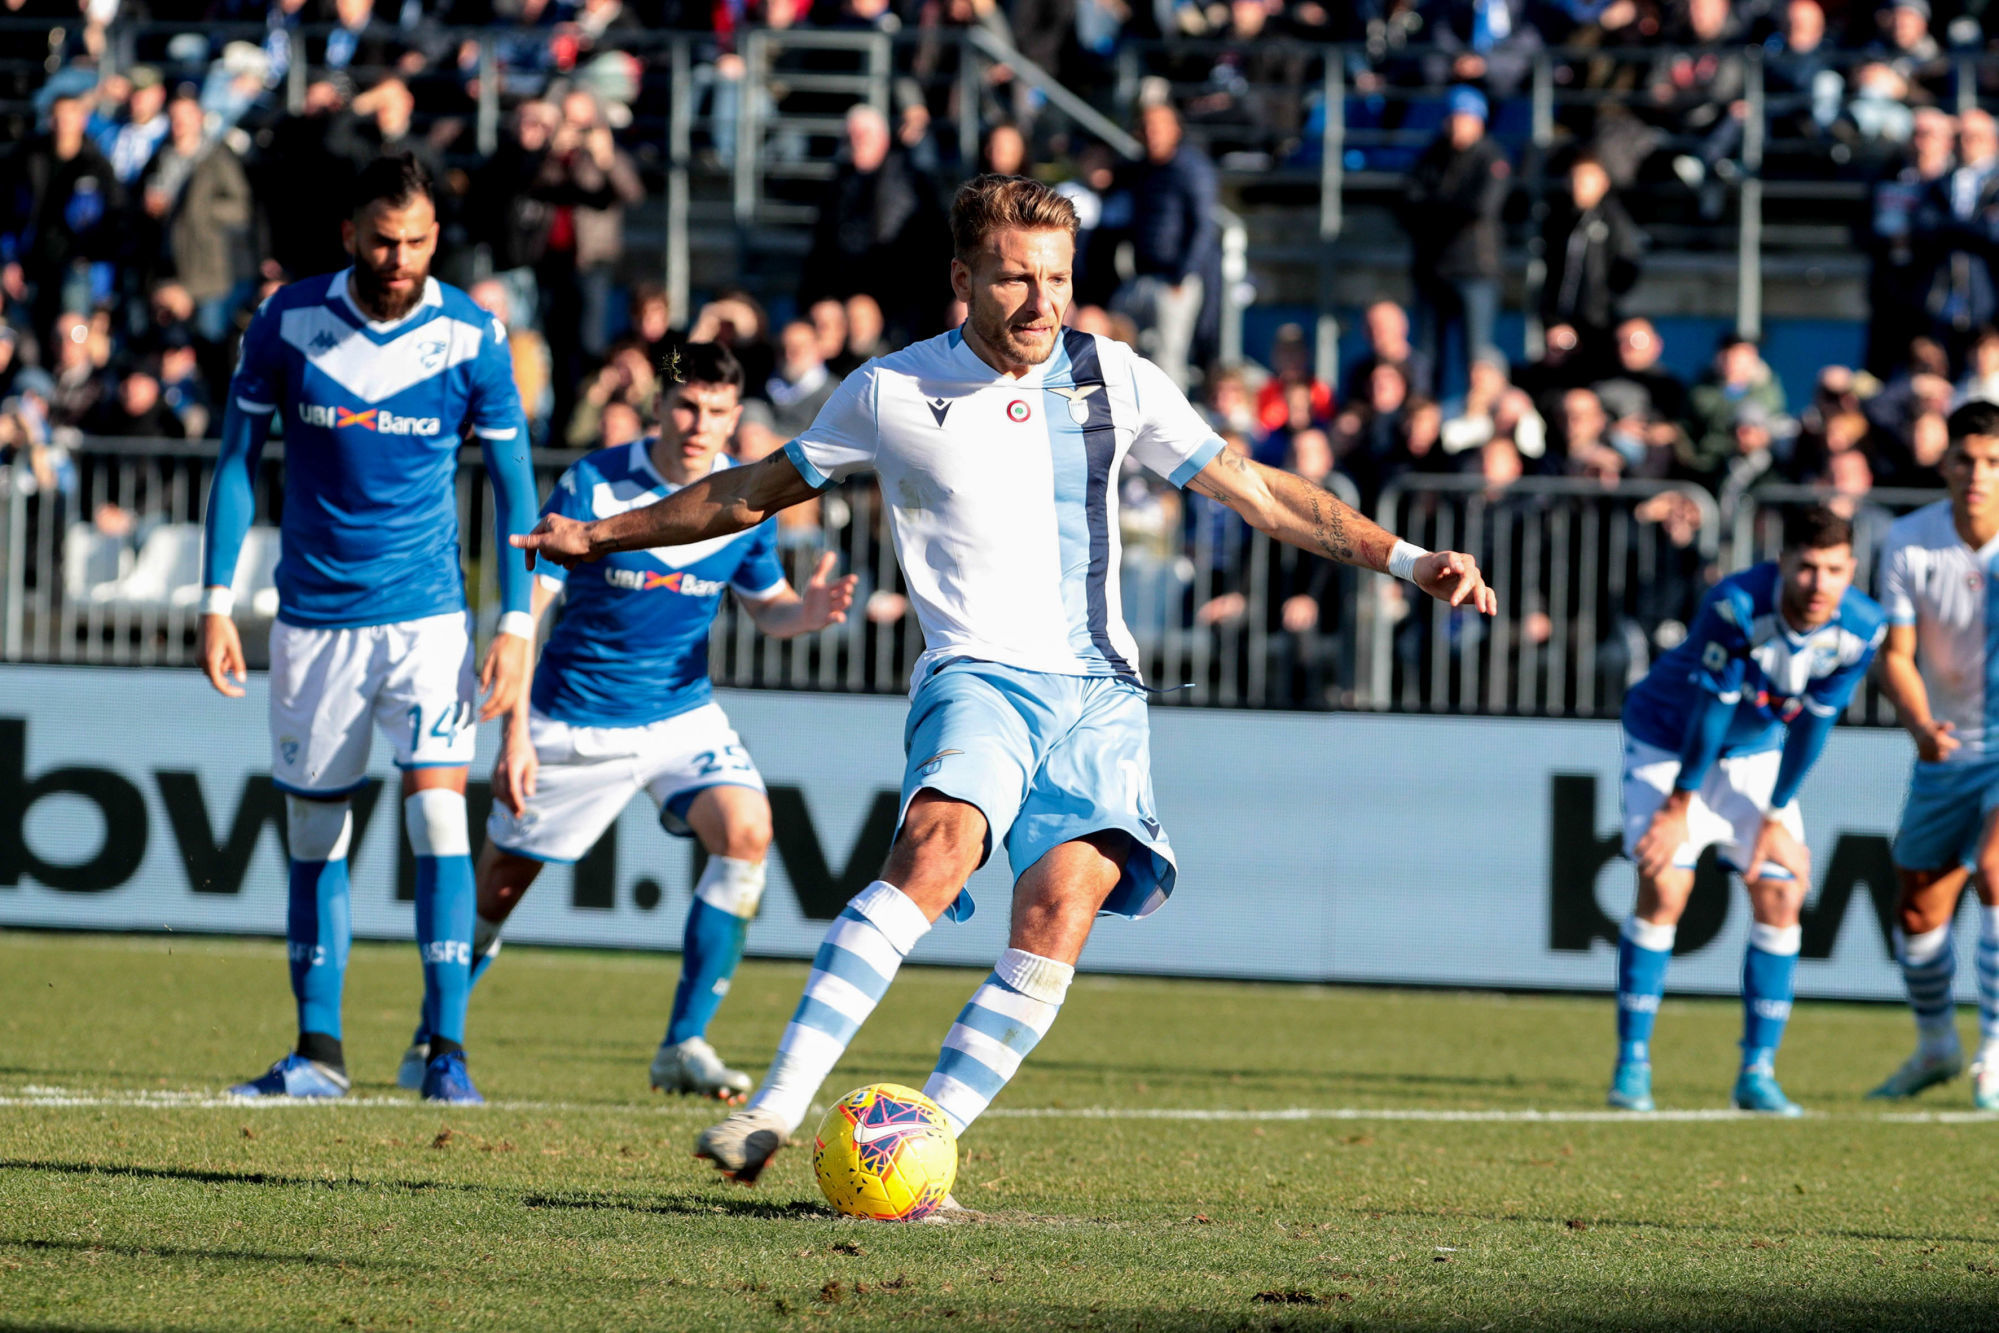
[{"x": 1544, "y": 171}]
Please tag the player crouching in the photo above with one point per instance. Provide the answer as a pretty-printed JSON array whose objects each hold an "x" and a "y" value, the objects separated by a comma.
[
  {"x": 621, "y": 702},
  {"x": 1717, "y": 739}
]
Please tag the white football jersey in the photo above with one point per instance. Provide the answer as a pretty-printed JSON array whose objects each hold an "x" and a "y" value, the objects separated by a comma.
[
  {"x": 1932, "y": 580},
  {"x": 1002, "y": 493}
]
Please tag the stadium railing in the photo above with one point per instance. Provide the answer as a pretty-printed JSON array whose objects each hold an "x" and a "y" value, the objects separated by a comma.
[{"x": 1594, "y": 582}]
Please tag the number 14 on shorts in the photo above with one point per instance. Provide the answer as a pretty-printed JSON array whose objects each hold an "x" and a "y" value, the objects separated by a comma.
[{"x": 447, "y": 724}]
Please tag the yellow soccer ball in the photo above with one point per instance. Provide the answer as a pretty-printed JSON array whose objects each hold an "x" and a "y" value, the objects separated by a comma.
[{"x": 886, "y": 1152}]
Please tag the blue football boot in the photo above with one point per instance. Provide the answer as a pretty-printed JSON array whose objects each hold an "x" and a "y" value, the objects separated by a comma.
[
  {"x": 445, "y": 1079},
  {"x": 1756, "y": 1090},
  {"x": 1631, "y": 1086},
  {"x": 295, "y": 1076}
]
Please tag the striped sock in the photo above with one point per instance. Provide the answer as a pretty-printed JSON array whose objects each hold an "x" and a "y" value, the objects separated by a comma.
[
  {"x": 1011, "y": 1011},
  {"x": 1988, "y": 977},
  {"x": 862, "y": 950},
  {"x": 1929, "y": 967}
]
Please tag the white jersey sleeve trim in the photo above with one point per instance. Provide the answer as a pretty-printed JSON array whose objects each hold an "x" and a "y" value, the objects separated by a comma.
[
  {"x": 814, "y": 478},
  {"x": 496, "y": 432},
  {"x": 551, "y": 582},
  {"x": 1203, "y": 454},
  {"x": 761, "y": 595},
  {"x": 252, "y": 405}
]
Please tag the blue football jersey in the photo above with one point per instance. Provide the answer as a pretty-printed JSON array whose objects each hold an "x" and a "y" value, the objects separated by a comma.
[
  {"x": 631, "y": 644},
  {"x": 1740, "y": 649},
  {"x": 373, "y": 416}
]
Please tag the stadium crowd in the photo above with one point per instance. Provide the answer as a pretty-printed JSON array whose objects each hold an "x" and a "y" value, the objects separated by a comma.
[{"x": 145, "y": 209}]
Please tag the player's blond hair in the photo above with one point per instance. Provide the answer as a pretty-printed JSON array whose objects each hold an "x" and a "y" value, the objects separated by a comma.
[{"x": 987, "y": 204}]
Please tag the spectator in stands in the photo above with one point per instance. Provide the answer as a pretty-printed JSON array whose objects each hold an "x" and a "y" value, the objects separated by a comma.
[
  {"x": 1981, "y": 373},
  {"x": 82, "y": 352},
  {"x": 130, "y": 142},
  {"x": 1385, "y": 327},
  {"x": 1739, "y": 378},
  {"x": 1801, "y": 89},
  {"x": 735, "y": 320},
  {"x": 359, "y": 39},
  {"x": 1369, "y": 435},
  {"x": 1591, "y": 250},
  {"x": 1291, "y": 366},
  {"x": 1586, "y": 447},
  {"x": 182, "y": 388},
  {"x": 1103, "y": 215},
  {"x": 1175, "y": 233},
  {"x": 510, "y": 210},
  {"x": 1696, "y": 92},
  {"x": 1650, "y": 448},
  {"x": 627, "y": 377},
  {"x": 793, "y": 396},
  {"x": 1878, "y": 119},
  {"x": 1639, "y": 348},
  {"x": 865, "y": 331},
  {"x": 1907, "y": 47},
  {"x": 1229, "y": 407},
  {"x": 298, "y": 172},
  {"x": 379, "y": 122},
  {"x": 1451, "y": 211},
  {"x": 197, "y": 208},
  {"x": 620, "y": 423},
  {"x": 878, "y": 224},
  {"x": 137, "y": 410},
  {"x": 63, "y": 205},
  {"x": 829, "y": 323},
  {"x": 1929, "y": 439},
  {"x": 1488, "y": 42},
  {"x": 650, "y": 313},
  {"x": 1491, "y": 408},
  {"x": 1899, "y": 272},
  {"x": 1003, "y": 151},
  {"x": 530, "y": 354},
  {"x": 1956, "y": 223}
]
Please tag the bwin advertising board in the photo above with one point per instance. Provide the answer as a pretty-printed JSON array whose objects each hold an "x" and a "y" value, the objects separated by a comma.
[{"x": 1356, "y": 848}]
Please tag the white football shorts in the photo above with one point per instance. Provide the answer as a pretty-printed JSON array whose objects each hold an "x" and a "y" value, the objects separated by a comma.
[
  {"x": 588, "y": 775},
  {"x": 1726, "y": 812},
  {"x": 413, "y": 680}
]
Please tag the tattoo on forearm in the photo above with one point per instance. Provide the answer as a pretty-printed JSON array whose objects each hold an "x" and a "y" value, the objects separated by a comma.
[{"x": 1329, "y": 527}]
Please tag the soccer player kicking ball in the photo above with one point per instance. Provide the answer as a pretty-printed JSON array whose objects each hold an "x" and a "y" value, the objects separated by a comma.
[
  {"x": 1941, "y": 591},
  {"x": 374, "y": 375},
  {"x": 1717, "y": 739},
  {"x": 998, "y": 447},
  {"x": 621, "y": 702}
]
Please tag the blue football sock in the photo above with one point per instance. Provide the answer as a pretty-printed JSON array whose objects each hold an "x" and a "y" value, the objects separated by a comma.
[
  {"x": 317, "y": 932},
  {"x": 1769, "y": 970},
  {"x": 446, "y": 903},
  {"x": 1644, "y": 951},
  {"x": 717, "y": 926},
  {"x": 485, "y": 948}
]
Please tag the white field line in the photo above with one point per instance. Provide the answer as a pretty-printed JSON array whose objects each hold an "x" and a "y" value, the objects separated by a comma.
[{"x": 42, "y": 1095}]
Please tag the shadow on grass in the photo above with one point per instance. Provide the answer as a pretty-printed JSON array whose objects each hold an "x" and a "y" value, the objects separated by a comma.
[
  {"x": 201, "y": 1176},
  {"x": 1585, "y": 1222},
  {"x": 697, "y": 1206},
  {"x": 1291, "y": 1075},
  {"x": 214, "y": 1255}
]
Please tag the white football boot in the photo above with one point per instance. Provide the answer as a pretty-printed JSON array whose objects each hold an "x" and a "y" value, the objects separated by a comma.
[
  {"x": 742, "y": 1145},
  {"x": 692, "y": 1066},
  {"x": 1985, "y": 1081},
  {"x": 409, "y": 1074}
]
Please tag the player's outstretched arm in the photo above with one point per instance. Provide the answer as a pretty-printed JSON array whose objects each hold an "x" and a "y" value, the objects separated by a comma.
[
  {"x": 821, "y": 602},
  {"x": 1902, "y": 681},
  {"x": 1313, "y": 519},
  {"x": 725, "y": 501}
]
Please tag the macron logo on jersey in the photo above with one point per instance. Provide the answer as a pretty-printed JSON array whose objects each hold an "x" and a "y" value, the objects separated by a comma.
[
  {"x": 680, "y": 581},
  {"x": 378, "y": 419}
]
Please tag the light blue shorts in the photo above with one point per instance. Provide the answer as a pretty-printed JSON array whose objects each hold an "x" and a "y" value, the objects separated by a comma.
[
  {"x": 1047, "y": 759},
  {"x": 1947, "y": 808}
]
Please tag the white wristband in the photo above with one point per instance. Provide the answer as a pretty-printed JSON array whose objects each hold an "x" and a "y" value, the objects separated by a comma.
[
  {"x": 218, "y": 601},
  {"x": 1403, "y": 557},
  {"x": 517, "y": 623}
]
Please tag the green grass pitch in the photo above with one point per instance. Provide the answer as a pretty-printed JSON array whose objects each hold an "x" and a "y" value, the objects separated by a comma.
[{"x": 130, "y": 1198}]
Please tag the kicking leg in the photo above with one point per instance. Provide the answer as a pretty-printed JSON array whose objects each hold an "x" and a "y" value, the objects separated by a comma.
[
  {"x": 1769, "y": 969},
  {"x": 1644, "y": 951},
  {"x": 941, "y": 843},
  {"x": 1929, "y": 971},
  {"x": 503, "y": 879},
  {"x": 318, "y": 936},
  {"x": 733, "y": 824},
  {"x": 1054, "y": 907}
]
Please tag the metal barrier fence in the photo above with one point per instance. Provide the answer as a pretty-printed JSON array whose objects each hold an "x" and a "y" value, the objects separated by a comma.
[{"x": 1594, "y": 581}]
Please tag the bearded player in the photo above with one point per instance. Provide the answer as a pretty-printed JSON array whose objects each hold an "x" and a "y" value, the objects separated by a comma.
[
  {"x": 374, "y": 375},
  {"x": 997, "y": 447},
  {"x": 621, "y": 702}
]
